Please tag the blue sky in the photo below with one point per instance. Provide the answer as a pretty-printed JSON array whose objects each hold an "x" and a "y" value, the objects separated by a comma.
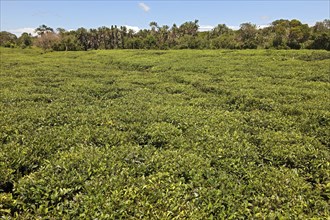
[{"x": 23, "y": 15}]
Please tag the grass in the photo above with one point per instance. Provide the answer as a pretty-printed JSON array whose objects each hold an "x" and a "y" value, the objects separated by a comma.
[{"x": 164, "y": 134}]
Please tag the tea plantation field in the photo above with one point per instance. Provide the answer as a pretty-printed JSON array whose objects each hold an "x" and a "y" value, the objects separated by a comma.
[{"x": 134, "y": 134}]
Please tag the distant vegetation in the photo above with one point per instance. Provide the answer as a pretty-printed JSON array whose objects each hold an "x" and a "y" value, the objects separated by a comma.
[
  {"x": 155, "y": 134},
  {"x": 280, "y": 34}
]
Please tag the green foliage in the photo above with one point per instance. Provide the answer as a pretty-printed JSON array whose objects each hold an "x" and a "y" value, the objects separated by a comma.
[
  {"x": 43, "y": 29},
  {"x": 188, "y": 42},
  {"x": 185, "y": 134},
  {"x": 7, "y": 39},
  {"x": 224, "y": 42},
  {"x": 281, "y": 34},
  {"x": 321, "y": 41},
  {"x": 25, "y": 40}
]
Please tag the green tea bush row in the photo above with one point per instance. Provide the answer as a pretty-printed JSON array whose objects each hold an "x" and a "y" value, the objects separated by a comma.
[{"x": 196, "y": 135}]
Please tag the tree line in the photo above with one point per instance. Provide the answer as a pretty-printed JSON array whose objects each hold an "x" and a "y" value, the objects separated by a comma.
[{"x": 280, "y": 34}]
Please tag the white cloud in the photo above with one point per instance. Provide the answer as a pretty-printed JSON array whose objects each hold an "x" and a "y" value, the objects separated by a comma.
[
  {"x": 205, "y": 28},
  {"x": 311, "y": 24},
  {"x": 263, "y": 26},
  {"x": 134, "y": 28},
  {"x": 233, "y": 27},
  {"x": 260, "y": 26},
  {"x": 19, "y": 31},
  {"x": 144, "y": 7}
]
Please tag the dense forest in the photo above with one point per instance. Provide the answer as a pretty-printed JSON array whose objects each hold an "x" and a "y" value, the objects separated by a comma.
[{"x": 280, "y": 34}]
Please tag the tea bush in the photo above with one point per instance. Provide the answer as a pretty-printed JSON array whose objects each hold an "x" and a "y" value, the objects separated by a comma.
[{"x": 131, "y": 134}]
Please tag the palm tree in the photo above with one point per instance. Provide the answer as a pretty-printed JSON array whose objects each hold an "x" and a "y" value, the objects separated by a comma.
[
  {"x": 153, "y": 26},
  {"x": 163, "y": 36},
  {"x": 43, "y": 29},
  {"x": 83, "y": 38},
  {"x": 123, "y": 34},
  {"x": 173, "y": 36},
  {"x": 189, "y": 28}
]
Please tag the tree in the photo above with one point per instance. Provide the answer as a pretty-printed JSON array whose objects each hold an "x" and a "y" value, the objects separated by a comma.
[
  {"x": 321, "y": 26},
  {"x": 47, "y": 40},
  {"x": 188, "y": 42},
  {"x": 321, "y": 35},
  {"x": 219, "y": 30},
  {"x": 94, "y": 38},
  {"x": 67, "y": 41},
  {"x": 173, "y": 36},
  {"x": 123, "y": 34},
  {"x": 163, "y": 37},
  {"x": 83, "y": 38},
  {"x": 289, "y": 34},
  {"x": 248, "y": 36},
  {"x": 321, "y": 41},
  {"x": 154, "y": 26},
  {"x": 265, "y": 37},
  {"x": 42, "y": 29},
  {"x": 134, "y": 43},
  {"x": 280, "y": 28},
  {"x": 225, "y": 41},
  {"x": 7, "y": 39},
  {"x": 298, "y": 34},
  {"x": 189, "y": 28},
  {"x": 25, "y": 40},
  {"x": 61, "y": 30},
  {"x": 281, "y": 34},
  {"x": 46, "y": 37}
]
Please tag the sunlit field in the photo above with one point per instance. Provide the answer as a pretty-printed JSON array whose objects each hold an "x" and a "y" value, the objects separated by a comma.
[{"x": 151, "y": 134}]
